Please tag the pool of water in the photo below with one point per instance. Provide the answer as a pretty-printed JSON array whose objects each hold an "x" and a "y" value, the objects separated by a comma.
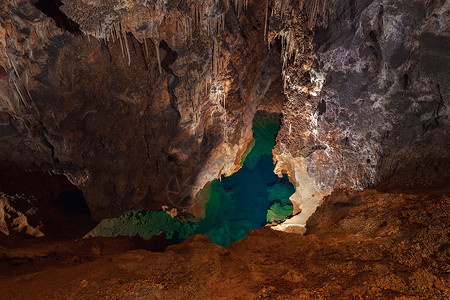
[
  {"x": 246, "y": 200},
  {"x": 253, "y": 196}
]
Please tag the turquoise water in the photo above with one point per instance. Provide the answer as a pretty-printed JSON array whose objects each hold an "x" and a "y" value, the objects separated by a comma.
[
  {"x": 246, "y": 200},
  {"x": 251, "y": 197}
]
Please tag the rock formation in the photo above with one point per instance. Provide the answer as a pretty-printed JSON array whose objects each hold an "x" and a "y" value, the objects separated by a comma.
[
  {"x": 379, "y": 114},
  {"x": 141, "y": 103},
  {"x": 129, "y": 110}
]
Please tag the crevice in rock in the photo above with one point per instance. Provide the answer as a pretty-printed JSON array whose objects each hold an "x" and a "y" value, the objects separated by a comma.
[
  {"x": 170, "y": 57},
  {"x": 51, "y": 9},
  {"x": 322, "y": 107},
  {"x": 173, "y": 81}
]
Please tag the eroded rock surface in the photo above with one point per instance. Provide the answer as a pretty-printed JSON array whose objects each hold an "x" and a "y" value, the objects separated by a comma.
[
  {"x": 378, "y": 112},
  {"x": 144, "y": 109}
]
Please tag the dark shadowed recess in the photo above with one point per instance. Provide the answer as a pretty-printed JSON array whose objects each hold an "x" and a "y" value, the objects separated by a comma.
[
  {"x": 51, "y": 9},
  {"x": 59, "y": 204}
]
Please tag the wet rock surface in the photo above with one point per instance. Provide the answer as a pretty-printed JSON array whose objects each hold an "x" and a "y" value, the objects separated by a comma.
[
  {"x": 358, "y": 245},
  {"x": 376, "y": 111}
]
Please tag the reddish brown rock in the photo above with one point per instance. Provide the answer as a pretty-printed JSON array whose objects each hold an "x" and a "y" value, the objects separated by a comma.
[{"x": 358, "y": 245}]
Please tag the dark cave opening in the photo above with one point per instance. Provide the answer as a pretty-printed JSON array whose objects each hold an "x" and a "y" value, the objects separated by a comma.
[
  {"x": 51, "y": 9},
  {"x": 279, "y": 44},
  {"x": 71, "y": 204},
  {"x": 49, "y": 202},
  {"x": 69, "y": 215}
]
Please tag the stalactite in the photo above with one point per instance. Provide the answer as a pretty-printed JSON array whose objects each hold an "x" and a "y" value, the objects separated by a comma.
[
  {"x": 217, "y": 26},
  {"x": 300, "y": 5},
  {"x": 324, "y": 14},
  {"x": 20, "y": 94},
  {"x": 121, "y": 44},
  {"x": 12, "y": 64},
  {"x": 265, "y": 20},
  {"x": 113, "y": 34},
  {"x": 158, "y": 56},
  {"x": 201, "y": 16},
  {"x": 26, "y": 87},
  {"x": 145, "y": 45},
  {"x": 194, "y": 13},
  {"x": 223, "y": 22},
  {"x": 313, "y": 8},
  {"x": 126, "y": 46},
  {"x": 214, "y": 59},
  {"x": 109, "y": 36}
]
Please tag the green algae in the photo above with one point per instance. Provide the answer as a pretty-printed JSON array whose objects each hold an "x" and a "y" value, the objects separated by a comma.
[
  {"x": 278, "y": 212},
  {"x": 145, "y": 224}
]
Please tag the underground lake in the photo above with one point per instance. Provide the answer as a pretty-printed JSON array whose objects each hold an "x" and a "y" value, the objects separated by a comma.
[{"x": 248, "y": 199}]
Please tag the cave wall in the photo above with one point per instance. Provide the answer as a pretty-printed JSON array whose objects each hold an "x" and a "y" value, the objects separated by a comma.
[
  {"x": 141, "y": 103},
  {"x": 378, "y": 114}
]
